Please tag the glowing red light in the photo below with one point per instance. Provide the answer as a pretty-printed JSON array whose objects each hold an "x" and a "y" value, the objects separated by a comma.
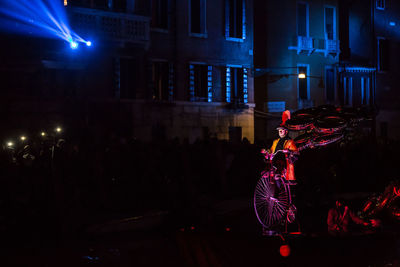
[
  {"x": 182, "y": 229},
  {"x": 227, "y": 229},
  {"x": 384, "y": 202},
  {"x": 295, "y": 233},
  {"x": 284, "y": 250},
  {"x": 396, "y": 192},
  {"x": 367, "y": 206},
  {"x": 192, "y": 228}
]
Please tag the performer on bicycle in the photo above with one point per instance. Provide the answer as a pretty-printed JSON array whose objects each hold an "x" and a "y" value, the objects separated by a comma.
[{"x": 284, "y": 142}]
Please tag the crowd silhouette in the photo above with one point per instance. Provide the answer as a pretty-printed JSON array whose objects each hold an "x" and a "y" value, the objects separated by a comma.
[{"x": 65, "y": 186}]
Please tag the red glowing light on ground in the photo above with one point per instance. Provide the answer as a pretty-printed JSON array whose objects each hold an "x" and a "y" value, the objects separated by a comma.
[
  {"x": 228, "y": 229},
  {"x": 295, "y": 233},
  {"x": 284, "y": 250}
]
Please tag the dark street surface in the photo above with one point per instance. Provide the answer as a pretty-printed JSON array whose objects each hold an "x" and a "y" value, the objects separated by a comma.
[
  {"x": 189, "y": 206},
  {"x": 233, "y": 239}
]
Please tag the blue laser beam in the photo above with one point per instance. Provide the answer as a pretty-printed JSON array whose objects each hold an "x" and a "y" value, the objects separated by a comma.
[{"x": 42, "y": 18}]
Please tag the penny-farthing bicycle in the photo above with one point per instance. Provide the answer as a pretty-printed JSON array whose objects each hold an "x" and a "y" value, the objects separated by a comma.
[{"x": 272, "y": 197}]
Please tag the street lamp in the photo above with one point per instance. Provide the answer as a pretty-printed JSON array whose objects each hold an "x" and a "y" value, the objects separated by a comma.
[
  {"x": 321, "y": 81},
  {"x": 57, "y": 130}
]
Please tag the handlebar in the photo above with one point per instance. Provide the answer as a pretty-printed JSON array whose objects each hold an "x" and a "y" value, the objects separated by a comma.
[{"x": 270, "y": 156}]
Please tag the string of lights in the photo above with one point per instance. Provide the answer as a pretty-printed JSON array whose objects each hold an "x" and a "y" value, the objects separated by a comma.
[{"x": 23, "y": 139}]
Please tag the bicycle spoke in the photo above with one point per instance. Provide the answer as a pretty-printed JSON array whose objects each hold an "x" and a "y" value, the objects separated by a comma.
[
  {"x": 259, "y": 191},
  {"x": 284, "y": 202},
  {"x": 264, "y": 218}
]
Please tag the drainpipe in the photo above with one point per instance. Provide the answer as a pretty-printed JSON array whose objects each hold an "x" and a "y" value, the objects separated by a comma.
[
  {"x": 374, "y": 52},
  {"x": 174, "y": 27},
  {"x": 373, "y": 47}
]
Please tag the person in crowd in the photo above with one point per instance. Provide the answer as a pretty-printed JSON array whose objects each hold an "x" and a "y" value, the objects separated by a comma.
[{"x": 340, "y": 218}]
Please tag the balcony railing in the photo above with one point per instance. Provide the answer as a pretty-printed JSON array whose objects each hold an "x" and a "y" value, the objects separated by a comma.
[
  {"x": 305, "y": 45},
  {"x": 309, "y": 45},
  {"x": 332, "y": 47},
  {"x": 110, "y": 25}
]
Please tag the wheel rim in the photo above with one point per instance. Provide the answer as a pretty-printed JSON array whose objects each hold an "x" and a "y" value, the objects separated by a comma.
[{"x": 270, "y": 203}]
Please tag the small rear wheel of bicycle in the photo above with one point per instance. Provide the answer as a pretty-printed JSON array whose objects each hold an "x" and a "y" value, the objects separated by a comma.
[{"x": 271, "y": 201}]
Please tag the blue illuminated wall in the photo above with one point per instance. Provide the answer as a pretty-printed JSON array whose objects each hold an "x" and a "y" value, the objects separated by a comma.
[
  {"x": 371, "y": 39},
  {"x": 387, "y": 29},
  {"x": 279, "y": 56},
  {"x": 356, "y": 32},
  {"x": 210, "y": 50},
  {"x": 112, "y": 82}
]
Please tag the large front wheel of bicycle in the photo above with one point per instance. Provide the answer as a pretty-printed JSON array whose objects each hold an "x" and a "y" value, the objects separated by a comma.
[{"x": 271, "y": 201}]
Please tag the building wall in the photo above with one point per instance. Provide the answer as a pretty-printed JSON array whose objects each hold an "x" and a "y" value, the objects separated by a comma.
[
  {"x": 110, "y": 83},
  {"x": 387, "y": 95},
  {"x": 192, "y": 121},
  {"x": 280, "y": 81},
  {"x": 179, "y": 47}
]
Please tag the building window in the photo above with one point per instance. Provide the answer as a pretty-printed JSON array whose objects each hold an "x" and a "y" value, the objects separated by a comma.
[
  {"x": 330, "y": 85},
  {"x": 128, "y": 78},
  {"x": 102, "y": 4},
  {"x": 197, "y": 22},
  {"x": 200, "y": 82},
  {"x": 380, "y": 4},
  {"x": 162, "y": 80},
  {"x": 236, "y": 85},
  {"x": 365, "y": 96},
  {"x": 348, "y": 91},
  {"x": 330, "y": 23},
  {"x": 383, "y": 54},
  {"x": 171, "y": 81},
  {"x": 159, "y": 14},
  {"x": 302, "y": 19},
  {"x": 209, "y": 84},
  {"x": 235, "y": 18},
  {"x": 303, "y": 84},
  {"x": 117, "y": 5},
  {"x": 142, "y": 7},
  {"x": 84, "y": 3}
]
